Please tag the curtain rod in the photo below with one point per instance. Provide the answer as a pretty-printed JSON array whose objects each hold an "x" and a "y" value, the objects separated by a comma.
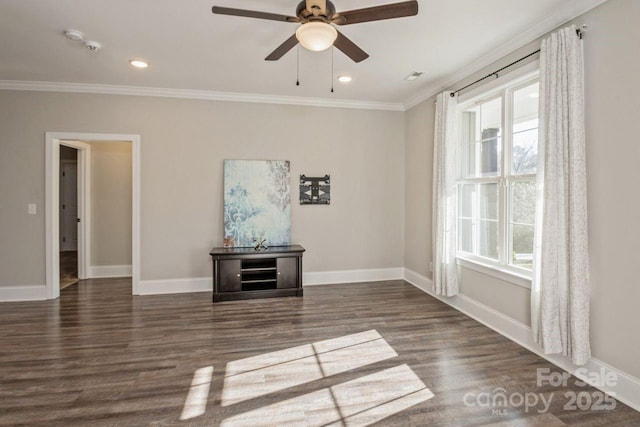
[{"x": 495, "y": 73}]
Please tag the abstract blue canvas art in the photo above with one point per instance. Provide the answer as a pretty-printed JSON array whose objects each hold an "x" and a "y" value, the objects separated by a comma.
[{"x": 257, "y": 202}]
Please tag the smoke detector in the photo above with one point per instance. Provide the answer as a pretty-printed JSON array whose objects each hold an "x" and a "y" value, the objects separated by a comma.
[
  {"x": 93, "y": 46},
  {"x": 74, "y": 35}
]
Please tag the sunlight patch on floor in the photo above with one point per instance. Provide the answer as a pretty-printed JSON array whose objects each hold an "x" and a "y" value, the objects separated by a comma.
[
  {"x": 362, "y": 401},
  {"x": 196, "y": 402},
  {"x": 257, "y": 376}
]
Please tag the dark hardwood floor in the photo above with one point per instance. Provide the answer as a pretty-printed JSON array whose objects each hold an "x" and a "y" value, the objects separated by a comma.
[
  {"x": 68, "y": 268},
  {"x": 354, "y": 354}
]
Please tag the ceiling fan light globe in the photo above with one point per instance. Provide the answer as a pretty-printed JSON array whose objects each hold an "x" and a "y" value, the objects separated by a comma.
[{"x": 316, "y": 36}]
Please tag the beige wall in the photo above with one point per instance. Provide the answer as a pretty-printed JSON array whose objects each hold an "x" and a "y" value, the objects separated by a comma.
[
  {"x": 110, "y": 203},
  {"x": 612, "y": 66},
  {"x": 183, "y": 144},
  {"x": 613, "y": 159},
  {"x": 419, "y": 122}
]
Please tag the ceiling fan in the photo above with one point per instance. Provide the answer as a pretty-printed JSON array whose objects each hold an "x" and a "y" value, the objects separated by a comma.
[{"x": 316, "y": 31}]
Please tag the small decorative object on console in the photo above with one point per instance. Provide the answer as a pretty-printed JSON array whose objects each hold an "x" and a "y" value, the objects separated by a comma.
[{"x": 260, "y": 244}]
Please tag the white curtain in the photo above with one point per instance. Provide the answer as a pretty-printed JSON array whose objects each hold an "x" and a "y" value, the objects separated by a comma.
[
  {"x": 445, "y": 278},
  {"x": 560, "y": 288}
]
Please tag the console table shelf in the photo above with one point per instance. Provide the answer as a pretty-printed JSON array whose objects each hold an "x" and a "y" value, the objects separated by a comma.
[{"x": 243, "y": 273}]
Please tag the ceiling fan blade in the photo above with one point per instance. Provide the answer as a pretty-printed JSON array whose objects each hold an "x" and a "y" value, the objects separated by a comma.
[
  {"x": 282, "y": 49},
  {"x": 377, "y": 13},
  {"x": 219, "y": 10},
  {"x": 349, "y": 48}
]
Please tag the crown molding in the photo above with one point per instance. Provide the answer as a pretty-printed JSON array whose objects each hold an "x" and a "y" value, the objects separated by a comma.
[
  {"x": 195, "y": 94},
  {"x": 562, "y": 15}
]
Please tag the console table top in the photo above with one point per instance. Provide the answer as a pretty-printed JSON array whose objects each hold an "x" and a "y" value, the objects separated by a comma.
[{"x": 244, "y": 251}]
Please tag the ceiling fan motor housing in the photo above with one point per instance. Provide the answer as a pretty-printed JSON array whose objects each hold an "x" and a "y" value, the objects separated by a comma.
[{"x": 305, "y": 9}]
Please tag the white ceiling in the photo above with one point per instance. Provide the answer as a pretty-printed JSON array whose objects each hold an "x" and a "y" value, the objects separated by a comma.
[{"x": 189, "y": 48}]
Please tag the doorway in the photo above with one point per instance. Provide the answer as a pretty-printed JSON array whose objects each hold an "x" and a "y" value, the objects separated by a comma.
[
  {"x": 54, "y": 143},
  {"x": 69, "y": 219}
]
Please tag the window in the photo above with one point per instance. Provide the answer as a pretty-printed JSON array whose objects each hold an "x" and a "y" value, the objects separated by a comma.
[{"x": 497, "y": 177}]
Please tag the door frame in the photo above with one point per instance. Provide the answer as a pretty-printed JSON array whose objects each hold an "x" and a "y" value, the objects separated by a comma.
[{"x": 53, "y": 140}]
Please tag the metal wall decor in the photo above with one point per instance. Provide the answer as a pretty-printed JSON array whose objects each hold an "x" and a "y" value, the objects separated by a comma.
[{"x": 315, "y": 190}]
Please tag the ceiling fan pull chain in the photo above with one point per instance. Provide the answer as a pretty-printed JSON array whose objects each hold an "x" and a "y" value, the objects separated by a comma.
[
  {"x": 332, "y": 50},
  {"x": 298, "y": 65}
]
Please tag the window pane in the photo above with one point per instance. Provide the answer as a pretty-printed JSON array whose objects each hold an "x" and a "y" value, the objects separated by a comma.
[
  {"x": 522, "y": 252},
  {"x": 488, "y": 220},
  {"x": 481, "y": 139},
  {"x": 465, "y": 235},
  {"x": 525, "y": 103},
  {"x": 488, "y": 201},
  {"x": 523, "y": 202},
  {"x": 488, "y": 242},
  {"x": 523, "y": 211},
  {"x": 490, "y": 134},
  {"x": 525, "y": 152},
  {"x": 469, "y": 137},
  {"x": 465, "y": 200},
  {"x": 525, "y": 130},
  {"x": 491, "y": 112}
]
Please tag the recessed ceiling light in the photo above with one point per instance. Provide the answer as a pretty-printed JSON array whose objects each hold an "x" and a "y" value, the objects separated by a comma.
[
  {"x": 138, "y": 63},
  {"x": 413, "y": 76},
  {"x": 344, "y": 79}
]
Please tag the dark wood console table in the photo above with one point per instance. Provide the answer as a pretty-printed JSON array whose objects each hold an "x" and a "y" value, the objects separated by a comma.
[{"x": 243, "y": 273}]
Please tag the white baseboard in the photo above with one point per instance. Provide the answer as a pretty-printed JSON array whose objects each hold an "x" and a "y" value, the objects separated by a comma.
[
  {"x": 175, "y": 286},
  {"x": 627, "y": 388},
  {"x": 204, "y": 284},
  {"x": 23, "y": 293},
  {"x": 100, "y": 271},
  {"x": 351, "y": 276}
]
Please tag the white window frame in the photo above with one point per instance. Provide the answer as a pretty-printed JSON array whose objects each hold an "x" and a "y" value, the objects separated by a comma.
[{"x": 504, "y": 87}]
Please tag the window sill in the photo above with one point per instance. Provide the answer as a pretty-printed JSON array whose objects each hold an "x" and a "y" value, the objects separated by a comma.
[{"x": 503, "y": 274}]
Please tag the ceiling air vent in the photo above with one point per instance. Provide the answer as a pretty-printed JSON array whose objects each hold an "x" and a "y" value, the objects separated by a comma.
[{"x": 413, "y": 76}]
